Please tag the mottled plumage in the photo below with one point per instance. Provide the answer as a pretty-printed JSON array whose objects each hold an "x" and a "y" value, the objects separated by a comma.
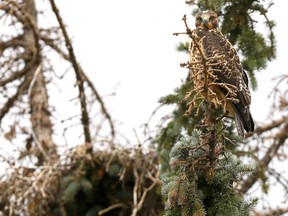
[{"x": 228, "y": 82}]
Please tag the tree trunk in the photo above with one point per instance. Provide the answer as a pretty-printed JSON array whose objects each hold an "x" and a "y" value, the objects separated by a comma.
[{"x": 37, "y": 92}]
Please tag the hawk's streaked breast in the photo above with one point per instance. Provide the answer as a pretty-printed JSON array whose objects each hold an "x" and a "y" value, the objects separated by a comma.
[{"x": 228, "y": 83}]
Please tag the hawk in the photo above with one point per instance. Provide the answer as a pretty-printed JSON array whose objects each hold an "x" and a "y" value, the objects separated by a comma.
[{"x": 227, "y": 81}]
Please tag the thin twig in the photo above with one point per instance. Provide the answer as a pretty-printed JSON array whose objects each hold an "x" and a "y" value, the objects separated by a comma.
[
  {"x": 110, "y": 208},
  {"x": 144, "y": 194}
]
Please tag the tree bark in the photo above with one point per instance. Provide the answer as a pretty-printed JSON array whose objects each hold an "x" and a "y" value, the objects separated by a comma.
[{"x": 37, "y": 92}]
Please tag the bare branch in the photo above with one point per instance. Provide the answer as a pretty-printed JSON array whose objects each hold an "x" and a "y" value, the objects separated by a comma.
[
  {"x": 279, "y": 141},
  {"x": 139, "y": 205},
  {"x": 16, "y": 75},
  {"x": 12, "y": 43},
  {"x": 79, "y": 77},
  {"x": 11, "y": 101},
  {"x": 264, "y": 128},
  {"x": 85, "y": 77},
  {"x": 110, "y": 208},
  {"x": 275, "y": 212}
]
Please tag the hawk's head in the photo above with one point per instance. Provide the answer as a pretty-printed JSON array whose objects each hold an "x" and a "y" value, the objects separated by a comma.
[{"x": 206, "y": 19}]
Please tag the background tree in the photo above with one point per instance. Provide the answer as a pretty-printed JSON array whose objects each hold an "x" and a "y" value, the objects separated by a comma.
[{"x": 47, "y": 179}]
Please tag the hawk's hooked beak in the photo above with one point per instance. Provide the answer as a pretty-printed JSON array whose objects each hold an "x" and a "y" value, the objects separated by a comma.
[
  {"x": 206, "y": 22},
  {"x": 205, "y": 19}
]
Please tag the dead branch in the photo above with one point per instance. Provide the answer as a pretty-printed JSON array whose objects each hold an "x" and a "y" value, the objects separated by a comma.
[
  {"x": 86, "y": 78},
  {"x": 209, "y": 98},
  {"x": 188, "y": 30},
  {"x": 264, "y": 128},
  {"x": 27, "y": 19},
  {"x": 279, "y": 141},
  {"x": 12, "y": 43},
  {"x": 11, "y": 101},
  {"x": 79, "y": 77},
  {"x": 155, "y": 182},
  {"x": 110, "y": 208},
  {"x": 274, "y": 212},
  {"x": 16, "y": 75}
]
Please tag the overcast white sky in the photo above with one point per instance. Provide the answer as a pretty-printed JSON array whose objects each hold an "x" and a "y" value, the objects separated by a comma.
[{"x": 130, "y": 43}]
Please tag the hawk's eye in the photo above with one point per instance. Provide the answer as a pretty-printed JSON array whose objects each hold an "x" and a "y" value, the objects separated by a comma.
[
  {"x": 211, "y": 18},
  {"x": 199, "y": 19}
]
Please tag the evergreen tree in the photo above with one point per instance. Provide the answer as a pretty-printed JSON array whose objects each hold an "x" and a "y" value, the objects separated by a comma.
[{"x": 198, "y": 149}]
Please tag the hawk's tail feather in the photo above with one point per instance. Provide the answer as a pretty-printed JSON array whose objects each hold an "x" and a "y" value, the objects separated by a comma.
[
  {"x": 249, "y": 123},
  {"x": 239, "y": 125}
]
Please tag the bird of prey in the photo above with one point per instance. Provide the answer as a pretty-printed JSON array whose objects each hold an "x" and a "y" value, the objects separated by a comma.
[{"x": 227, "y": 81}]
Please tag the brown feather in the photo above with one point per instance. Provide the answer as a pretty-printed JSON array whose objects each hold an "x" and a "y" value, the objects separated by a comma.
[{"x": 232, "y": 89}]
